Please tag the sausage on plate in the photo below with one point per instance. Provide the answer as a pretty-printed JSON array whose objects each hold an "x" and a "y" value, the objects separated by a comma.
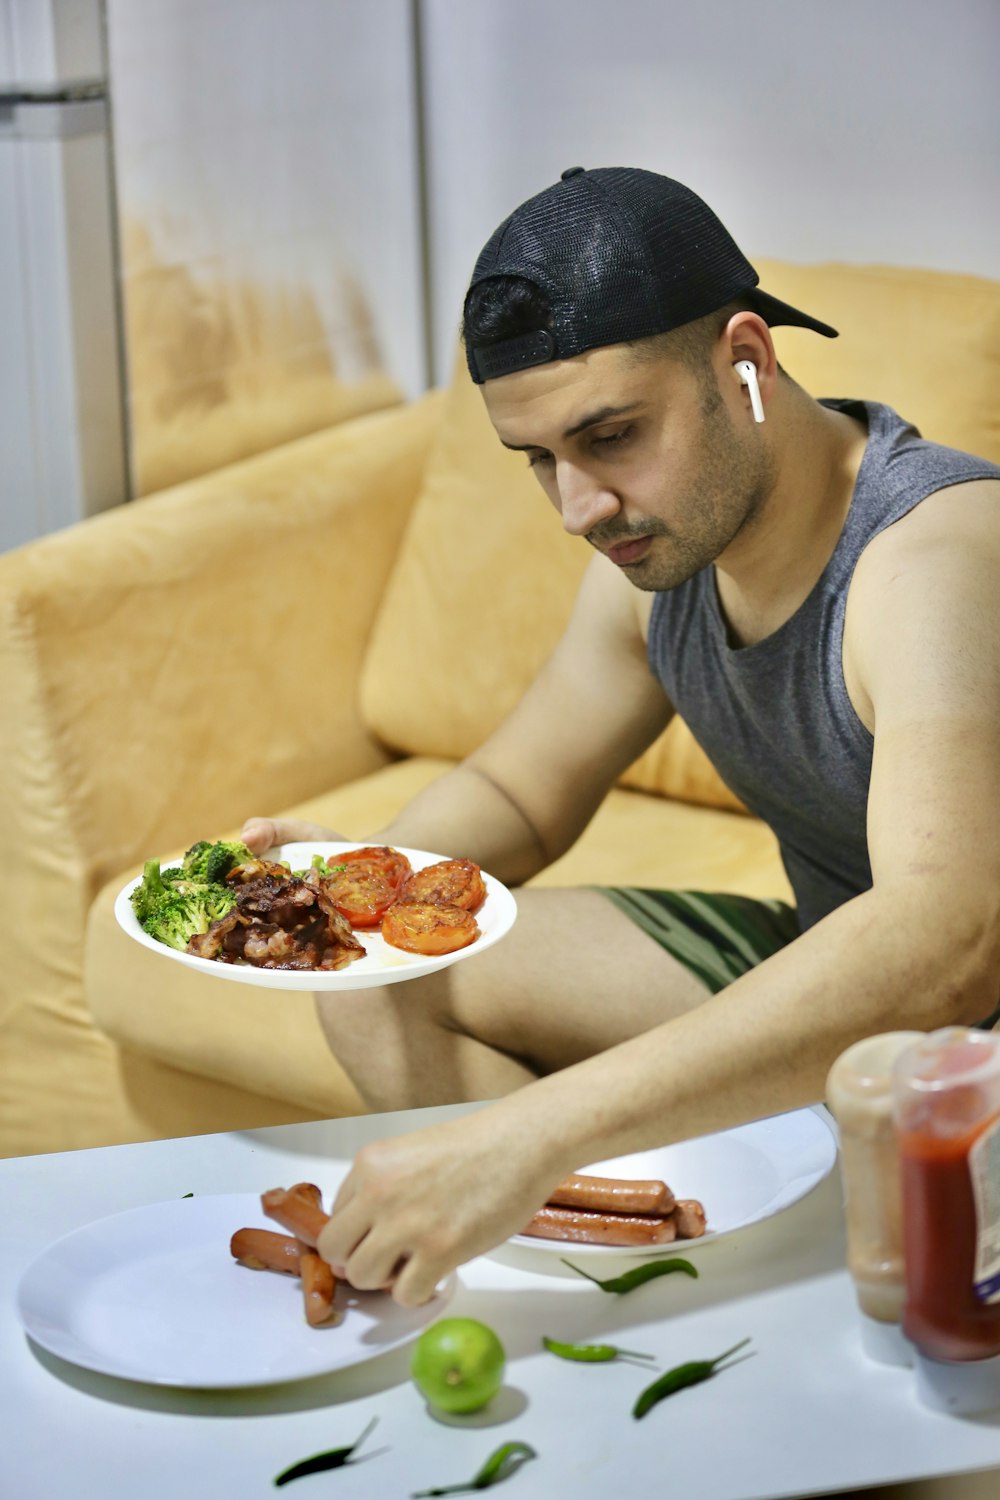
[
  {"x": 590, "y": 1228},
  {"x": 318, "y": 1287},
  {"x": 690, "y": 1216},
  {"x": 613, "y": 1195},
  {"x": 297, "y": 1211},
  {"x": 263, "y": 1250}
]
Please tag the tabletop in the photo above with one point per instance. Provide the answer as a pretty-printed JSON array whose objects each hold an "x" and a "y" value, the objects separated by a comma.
[{"x": 806, "y": 1414}]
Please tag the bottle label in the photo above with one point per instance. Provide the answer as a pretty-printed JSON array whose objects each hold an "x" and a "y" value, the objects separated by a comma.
[{"x": 984, "y": 1169}]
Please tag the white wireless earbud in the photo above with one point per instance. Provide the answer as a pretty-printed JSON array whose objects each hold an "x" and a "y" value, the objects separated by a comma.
[{"x": 748, "y": 377}]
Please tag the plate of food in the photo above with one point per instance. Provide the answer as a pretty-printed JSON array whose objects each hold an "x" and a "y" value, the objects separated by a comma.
[
  {"x": 674, "y": 1199},
  {"x": 314, "y": 915},
  {"x": 202, "y": 1293}
]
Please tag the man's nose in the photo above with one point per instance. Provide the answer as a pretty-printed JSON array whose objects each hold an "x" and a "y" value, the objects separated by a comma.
[{"x": 583, "y": 501}]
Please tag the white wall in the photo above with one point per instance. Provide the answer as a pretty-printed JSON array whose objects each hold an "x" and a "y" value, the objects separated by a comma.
[
  {"x": 267, "y": 188},
  {"x": 858, "y": 130}
]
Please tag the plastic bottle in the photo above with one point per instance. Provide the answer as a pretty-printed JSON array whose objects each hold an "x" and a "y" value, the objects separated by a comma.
[
  {"x": 859, "y": 1092},
  {"x": 946, "y": 1092}
]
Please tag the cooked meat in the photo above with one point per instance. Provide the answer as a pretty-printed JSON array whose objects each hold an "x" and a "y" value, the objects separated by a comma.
[
  {"x": 279, "y": 922},
  {"x": 209, "y": 944}
]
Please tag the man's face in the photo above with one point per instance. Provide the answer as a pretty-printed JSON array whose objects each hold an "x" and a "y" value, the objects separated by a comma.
[{"x": 640, "y": 456}]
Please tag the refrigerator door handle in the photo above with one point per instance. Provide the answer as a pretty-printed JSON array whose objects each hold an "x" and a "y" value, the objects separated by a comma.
[
  {"x": 47, "y": 93},
  {"x": 50, "y": 120}
]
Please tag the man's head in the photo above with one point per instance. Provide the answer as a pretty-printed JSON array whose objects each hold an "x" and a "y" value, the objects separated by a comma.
[{"x": 603, "y": 321}]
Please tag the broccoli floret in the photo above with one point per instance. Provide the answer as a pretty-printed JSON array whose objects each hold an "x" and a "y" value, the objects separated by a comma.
[
  {"x": 225, "y": 856},
  {"x": 175, "y": 879},
  {"x": 177, "y": 918},
  {"x": 150, "y": 892},
  {"x": 173, "y": 910},
  {"x": 195, "y": 860}
]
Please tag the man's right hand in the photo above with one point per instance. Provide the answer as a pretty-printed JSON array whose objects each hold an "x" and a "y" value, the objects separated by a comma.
[{"x": 261, "y": 834}]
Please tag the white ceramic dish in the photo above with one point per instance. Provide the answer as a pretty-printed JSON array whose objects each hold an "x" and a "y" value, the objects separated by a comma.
[
  {"x": 154, "y": 1295},
  {"x": 740, "y": 1176},
  {"x": 382, "y": 963}
]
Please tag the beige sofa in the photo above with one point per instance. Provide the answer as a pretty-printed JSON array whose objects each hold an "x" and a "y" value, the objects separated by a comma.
[{"x": 325, "y": 628}]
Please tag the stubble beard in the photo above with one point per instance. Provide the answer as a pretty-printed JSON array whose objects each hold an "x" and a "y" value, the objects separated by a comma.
[{"x": 726, "y": 496}]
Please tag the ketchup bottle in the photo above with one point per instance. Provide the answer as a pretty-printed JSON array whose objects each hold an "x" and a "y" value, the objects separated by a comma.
[{"x": 946, "y": 1105}]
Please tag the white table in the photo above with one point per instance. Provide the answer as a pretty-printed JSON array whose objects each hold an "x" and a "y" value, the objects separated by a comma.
[{"x": 806, "y": 1415}]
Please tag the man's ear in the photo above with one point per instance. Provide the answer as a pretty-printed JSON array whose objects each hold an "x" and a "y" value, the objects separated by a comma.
[{"x": 746, "y": 340}]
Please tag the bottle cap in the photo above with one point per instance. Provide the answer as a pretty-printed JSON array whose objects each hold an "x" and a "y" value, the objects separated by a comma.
[
  {"x": 962, "y": 1387},
  {"x": 885, "y": 1342}
]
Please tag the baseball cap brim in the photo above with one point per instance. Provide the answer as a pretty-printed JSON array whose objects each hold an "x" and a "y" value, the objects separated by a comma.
[{"x": 781, "y": 314}]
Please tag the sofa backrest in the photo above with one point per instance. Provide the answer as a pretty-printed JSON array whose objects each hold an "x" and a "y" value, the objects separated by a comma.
[{"x": 486, "y": 577}]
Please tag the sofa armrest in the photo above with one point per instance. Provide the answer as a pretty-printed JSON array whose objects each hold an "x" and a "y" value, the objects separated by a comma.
[{"x": 176, "y": 664}]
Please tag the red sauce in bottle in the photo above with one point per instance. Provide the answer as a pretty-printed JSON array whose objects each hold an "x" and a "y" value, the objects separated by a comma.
[
  {"x": 947, "y": 1098},
  {"x": 944, "y": 1316}
]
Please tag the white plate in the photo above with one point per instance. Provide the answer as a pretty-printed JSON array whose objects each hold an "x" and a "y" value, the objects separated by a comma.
[
  {"x": 382, "y": 963},
  {"x": 740, "y": 1176},
  {"x": 153, "y": 1294}
]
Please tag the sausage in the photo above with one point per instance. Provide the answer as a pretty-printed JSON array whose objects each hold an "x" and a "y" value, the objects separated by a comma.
[
  {"x": 613, "y": 1195},
  {"x": 263, "y": 1250},
  {"x": 318, "y": 1287},
  {"x": 690, "y": 1218},
  {"x": 591, "y": 1228},
  {"x": 308, "y": 1190},
  {"x": 295, "y": 1211}
]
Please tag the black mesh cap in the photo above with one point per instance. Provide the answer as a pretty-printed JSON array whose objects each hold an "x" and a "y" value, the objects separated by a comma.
[{"x": 621, "y": 254}]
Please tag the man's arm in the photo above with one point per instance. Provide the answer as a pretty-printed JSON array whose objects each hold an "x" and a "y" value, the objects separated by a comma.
[
  {"x": 524, "y": 797},
  {"x": 921, "y": 949}
]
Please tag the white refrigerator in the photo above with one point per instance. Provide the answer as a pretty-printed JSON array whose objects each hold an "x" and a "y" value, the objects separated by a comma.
[{"x": 63, "y": 429}]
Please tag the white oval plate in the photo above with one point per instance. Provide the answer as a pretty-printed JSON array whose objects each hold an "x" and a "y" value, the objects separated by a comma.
[
  {"x": 740, "y": 1176},
  {"x": 382, "y": 963},
  {"x": 153, "y": 1294}
]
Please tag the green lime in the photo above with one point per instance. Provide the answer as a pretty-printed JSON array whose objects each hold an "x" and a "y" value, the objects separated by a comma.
[{"x": 458, "y": 1364}]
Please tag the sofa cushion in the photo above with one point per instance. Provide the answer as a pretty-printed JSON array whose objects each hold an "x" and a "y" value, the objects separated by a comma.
[
  {"x": 486, "y": 578},
  {"x": 927, "y": 343}
]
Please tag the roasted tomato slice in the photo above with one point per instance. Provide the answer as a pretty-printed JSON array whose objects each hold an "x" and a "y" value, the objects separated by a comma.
[
  {"x": 429, "y": 928},
  {"x": 397, "y": 865},
  {"x": 362, "y": 892},
  {"x": 451, "y": 882}
]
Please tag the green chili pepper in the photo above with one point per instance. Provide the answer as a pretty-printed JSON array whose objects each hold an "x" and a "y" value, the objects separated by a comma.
[
  {"x": 590, "y": 1353},
  {"x": 336, "y": 1458},
  {"x": 500, "y": 1465},
  {"x": 678, "y": 1378},
  {"x": 648, "y": 1271}
]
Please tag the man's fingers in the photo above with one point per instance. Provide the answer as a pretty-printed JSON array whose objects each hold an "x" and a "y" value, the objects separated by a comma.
[
  {"x": 261, "y": 834},
  {"x": 375, "y": 1265},
  {"x": 415, "y": 1284},
  {"x": 341, "y": 1234}
]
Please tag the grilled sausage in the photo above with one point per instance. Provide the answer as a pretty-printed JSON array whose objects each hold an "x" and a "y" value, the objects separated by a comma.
[
  {"x": 613, "y": 1195},
  {"x": 318, "y": 1287},
  {"x": 296, "y": 1211},
  {"x": 690, "y": 1217},
  {"x": 308, "y": 1190},
  {"x": 263, "y": 1250},
  {"x": 591, "y": 1228}
]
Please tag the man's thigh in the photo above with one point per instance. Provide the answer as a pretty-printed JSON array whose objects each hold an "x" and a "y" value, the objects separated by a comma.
[
  {"x": 580, "y": 971},
  {"x": 574, "y": 976}
]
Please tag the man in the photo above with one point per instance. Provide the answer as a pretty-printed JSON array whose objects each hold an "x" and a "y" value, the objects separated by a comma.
[{"x": 815, "y": 593}]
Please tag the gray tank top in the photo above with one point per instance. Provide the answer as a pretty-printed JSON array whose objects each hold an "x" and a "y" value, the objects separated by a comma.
[{"x": 774, "y": 717}]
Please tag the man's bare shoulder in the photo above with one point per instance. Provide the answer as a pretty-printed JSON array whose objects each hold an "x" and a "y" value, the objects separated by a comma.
[
  {"x": 926, "y": 584},
  {"x": 955, "y": 518}
]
